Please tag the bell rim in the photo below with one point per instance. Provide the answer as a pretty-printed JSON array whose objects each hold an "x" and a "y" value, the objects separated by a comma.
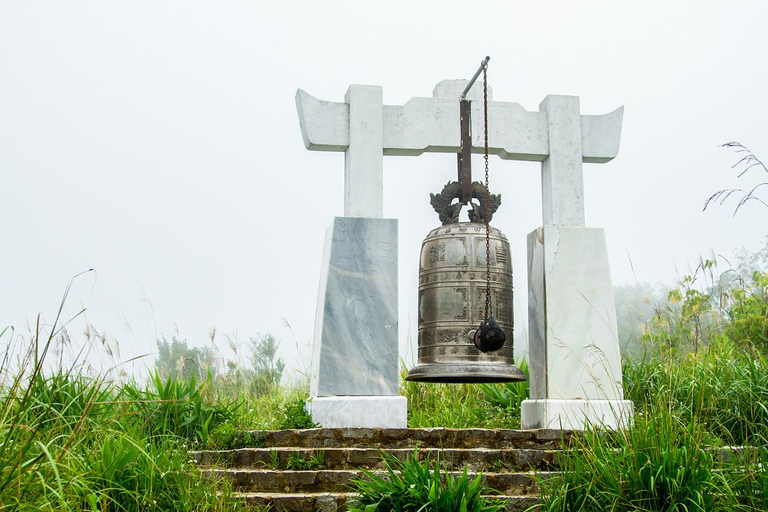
[{"x": 471, "y": 373}]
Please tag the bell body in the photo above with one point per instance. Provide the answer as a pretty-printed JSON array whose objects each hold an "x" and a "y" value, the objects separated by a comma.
[{"x": 452, "y": 290}]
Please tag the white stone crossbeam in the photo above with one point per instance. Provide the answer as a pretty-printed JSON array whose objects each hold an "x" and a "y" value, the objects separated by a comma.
[{"x": 558, "y": 135}]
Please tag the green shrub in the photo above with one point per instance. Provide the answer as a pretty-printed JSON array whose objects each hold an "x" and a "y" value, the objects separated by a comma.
[
  {"x": 748, "y": 326},
  {"x": 510, "y": 394},
  {"x": 411, "y": 486},
  {"x": 177, "y": 407},
  {"x": 228, "y": 437},
  {"x": 295, "y": 415}
]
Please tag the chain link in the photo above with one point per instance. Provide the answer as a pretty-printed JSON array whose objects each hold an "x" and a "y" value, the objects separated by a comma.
[{"x": 488, "y": 301}]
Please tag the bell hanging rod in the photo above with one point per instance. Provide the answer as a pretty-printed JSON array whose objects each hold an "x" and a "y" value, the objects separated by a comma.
[{"x": 474, "y": 78}]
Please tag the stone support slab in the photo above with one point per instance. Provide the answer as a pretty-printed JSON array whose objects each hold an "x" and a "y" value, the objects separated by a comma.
[
  {"x": 574, "y": 356},
  {"x": 359, "y": 411},
  {"x": 355, "y": 346}
]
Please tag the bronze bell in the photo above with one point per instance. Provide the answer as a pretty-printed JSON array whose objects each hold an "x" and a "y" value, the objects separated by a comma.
[{"x": 452, "y": 295}]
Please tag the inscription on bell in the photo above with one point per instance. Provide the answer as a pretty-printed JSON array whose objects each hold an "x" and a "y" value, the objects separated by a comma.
[
  {"x": 437, "y": 253},
  {"x": 501, "y": 254},
  {"x": 463, "y": 314}
]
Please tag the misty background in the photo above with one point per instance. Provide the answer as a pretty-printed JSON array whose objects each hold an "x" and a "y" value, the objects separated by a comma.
[{"x": 158, "y": 144}]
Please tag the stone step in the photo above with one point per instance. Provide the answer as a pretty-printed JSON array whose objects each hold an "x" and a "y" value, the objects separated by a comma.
[
  {"x": 409, "y": 438},
  {"x": 338, "y": 502},
  {"x": 475, "y": 459},
  {"x": 340, "y": 481}
]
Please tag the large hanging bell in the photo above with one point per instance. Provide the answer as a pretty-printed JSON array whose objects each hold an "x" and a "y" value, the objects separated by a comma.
[{"x": 452, "y": 294}]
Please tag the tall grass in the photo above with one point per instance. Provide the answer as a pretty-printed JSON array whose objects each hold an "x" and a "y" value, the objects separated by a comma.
[
  {"x": 722, "y": 388},
  {"x": 74, "y": 442},
  {"x": 464, "y": 405},
  {"x": 702, "y": 385},
  {"x": 658, "y": 463}
]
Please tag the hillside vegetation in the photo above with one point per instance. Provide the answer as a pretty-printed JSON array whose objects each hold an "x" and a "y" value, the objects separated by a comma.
[{"x": 699, "y": 381}]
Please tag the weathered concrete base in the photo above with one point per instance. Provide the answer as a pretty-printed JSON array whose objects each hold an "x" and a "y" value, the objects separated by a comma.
[
  {"x": 359, "y": 411},
  {"x": 575, "y": 414}
]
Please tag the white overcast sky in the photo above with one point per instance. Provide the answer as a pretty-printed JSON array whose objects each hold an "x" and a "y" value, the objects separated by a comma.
[{"x": 158, "y": 143}]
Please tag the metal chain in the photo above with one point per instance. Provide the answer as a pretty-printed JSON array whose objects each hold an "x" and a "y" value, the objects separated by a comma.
[{"x": 488, "y": 302}]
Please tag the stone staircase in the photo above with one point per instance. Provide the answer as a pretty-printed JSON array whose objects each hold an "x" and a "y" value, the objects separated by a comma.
[{"x": 312, "y": 470}]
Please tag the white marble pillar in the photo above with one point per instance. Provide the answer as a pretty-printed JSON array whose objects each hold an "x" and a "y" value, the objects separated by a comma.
[
  {"x": 364, "y": 158},
  {"x": 562, "y": 177}
]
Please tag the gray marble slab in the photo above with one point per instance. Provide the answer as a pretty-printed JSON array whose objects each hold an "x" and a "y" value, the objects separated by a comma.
[
  {"x": 574, "y": 355},
  {"x": 355, "y": 346}
]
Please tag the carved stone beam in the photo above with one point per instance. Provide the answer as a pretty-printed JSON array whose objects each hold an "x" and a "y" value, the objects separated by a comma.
[{"x": 365, "y": 129}]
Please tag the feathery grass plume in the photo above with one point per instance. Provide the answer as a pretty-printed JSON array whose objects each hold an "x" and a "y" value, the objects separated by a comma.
[{"x": 748, "y": 160}]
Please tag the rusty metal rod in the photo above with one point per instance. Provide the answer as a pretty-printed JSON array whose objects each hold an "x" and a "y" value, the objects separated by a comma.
[{"x": 474, "y": 78}]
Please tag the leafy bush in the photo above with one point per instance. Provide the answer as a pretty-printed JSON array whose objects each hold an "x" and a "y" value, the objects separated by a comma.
[
  {"x": 693, "y": 314},
  {"x": 411, "y": 486},
  {"x": 295, "y": 415},
  {"x": 228, "y": 437},
  {"x": 510, "y": 394},
  {"x": 177, "y": 407},
  {"x": 748, "y": 314}
]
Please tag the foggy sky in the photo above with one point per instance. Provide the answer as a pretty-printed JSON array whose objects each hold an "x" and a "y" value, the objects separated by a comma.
[{"x": 158, "y": 143}]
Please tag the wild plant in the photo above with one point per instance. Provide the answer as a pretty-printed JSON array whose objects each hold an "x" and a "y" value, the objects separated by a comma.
[
  {"x": 510, "y": 394},
  {"x": 746, "y": 480},
  {"x": 411, "y": 486},
  {"x": 659, "y": 463},
  {"x": 295, "y": 415},
  {"x": 721, "y": 381},
  {"x": 72, "y": 442},
  {"x": 748, "y": 315},
  {"x": 297, "y": 462},
  {"x": 461, "y": 405},
  {"x": 176, "y": 406}
]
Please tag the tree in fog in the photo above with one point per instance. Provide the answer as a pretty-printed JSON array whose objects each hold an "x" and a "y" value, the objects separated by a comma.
[
  {"x": 176, "y": 359},
  {"x": 267, "y": 367}
]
